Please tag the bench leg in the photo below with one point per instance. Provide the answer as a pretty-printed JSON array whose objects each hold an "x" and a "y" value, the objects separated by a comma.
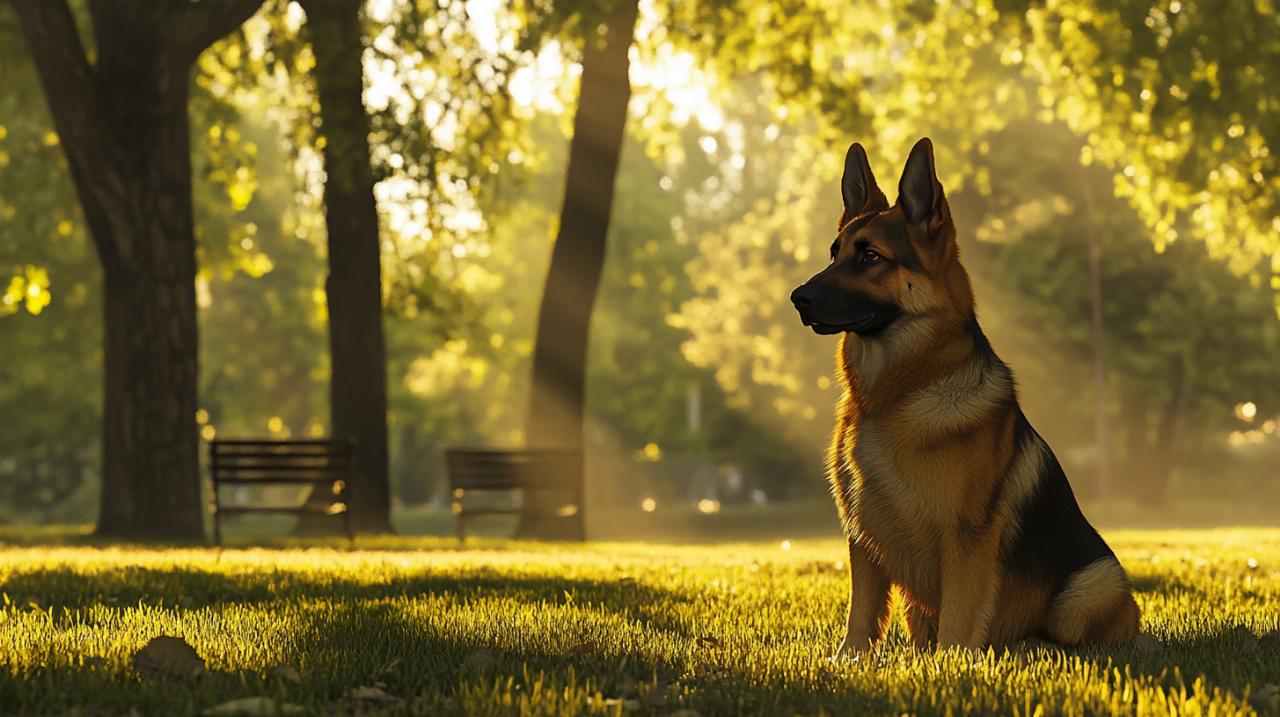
[{"x": 462, "y": 531}]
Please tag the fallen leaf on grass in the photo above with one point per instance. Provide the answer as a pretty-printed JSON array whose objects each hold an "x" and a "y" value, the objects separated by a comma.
[
  {"x": 481, "y": 657},
  {"x": 708, "y": 641},
  {"x": 252, "y": 707},
  {"x": 1265, "y": 699},
  {"x": 285, "y": 673},
  {"x": 387, "y": 667},
  {"x": 370, "y": 694},
  {"x": 167, "y": 656}
]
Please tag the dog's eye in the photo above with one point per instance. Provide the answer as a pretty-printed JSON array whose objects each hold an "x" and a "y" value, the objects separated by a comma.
[{"x": 871, "y": 256}]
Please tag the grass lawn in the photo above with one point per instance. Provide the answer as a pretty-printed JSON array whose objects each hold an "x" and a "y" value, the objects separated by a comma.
[{"x": 604, "y": 628}]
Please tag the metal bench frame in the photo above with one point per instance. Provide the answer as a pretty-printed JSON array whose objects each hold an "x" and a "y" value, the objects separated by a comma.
[
  {"x": 530, "y": 469},
  {"x": 324, "y": 464}
]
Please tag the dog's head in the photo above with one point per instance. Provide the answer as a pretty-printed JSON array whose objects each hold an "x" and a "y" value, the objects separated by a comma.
[{"x": 888, "y": 264}]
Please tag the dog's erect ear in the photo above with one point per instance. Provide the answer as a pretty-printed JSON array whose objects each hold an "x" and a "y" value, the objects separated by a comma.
[
  {"x": 919, "y": 191},
  {"x": 858, "y": 186}
]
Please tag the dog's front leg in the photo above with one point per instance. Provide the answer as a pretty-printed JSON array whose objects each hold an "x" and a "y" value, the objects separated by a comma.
[
  {"x": 868, "y": 602},
  {"x": 970, "y": 577}
]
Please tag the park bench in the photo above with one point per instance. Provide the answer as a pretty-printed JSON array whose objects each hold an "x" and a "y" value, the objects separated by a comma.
[
  {"x": 327, "y": 465},
  {"x": 492, "y": 470}
]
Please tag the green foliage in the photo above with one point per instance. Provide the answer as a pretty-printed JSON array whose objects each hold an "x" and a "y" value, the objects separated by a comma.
[
  {"x": 727, "y": 195},
  {"x": 50, "y": 355},
  {"x": 1185, "y": 340},
  {"x": 1171, "y": 96},
  {"x": 743, "y": 628}
]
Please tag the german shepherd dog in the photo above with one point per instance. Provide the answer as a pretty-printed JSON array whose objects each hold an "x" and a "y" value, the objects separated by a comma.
[{"x": 944, "y": 489}]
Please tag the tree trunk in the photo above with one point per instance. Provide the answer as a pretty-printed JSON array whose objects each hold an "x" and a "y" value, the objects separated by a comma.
[
  {"x": 1102, "y": 433},
  {"x": 1137, "y": 445},
  {"x": 358, "y": 378},
  {"x": 124, "y": 128},
  {"x": 150, "y": 462},
  {"x": 1165, "y": 455},
  {"x": 564, "y": 318}
]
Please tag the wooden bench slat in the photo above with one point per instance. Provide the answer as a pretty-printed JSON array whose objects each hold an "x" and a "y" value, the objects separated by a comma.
[
  {"x": 222, "y": 468},
  {"x": 265, "y": 452},
  {"x": 222, "y": 442},
  {"x": 277, "y": 480},
  {"x": 276, "y": 509},
  {"x": 261, "y": 454},
  {"x": 322, "y": 463}
]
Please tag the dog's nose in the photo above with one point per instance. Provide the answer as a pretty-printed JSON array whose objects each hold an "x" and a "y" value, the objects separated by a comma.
[{"x": 804, "y": 295}]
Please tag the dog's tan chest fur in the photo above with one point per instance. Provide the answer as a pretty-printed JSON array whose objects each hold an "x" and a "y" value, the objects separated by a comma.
[{"x": 916, "y": 475}]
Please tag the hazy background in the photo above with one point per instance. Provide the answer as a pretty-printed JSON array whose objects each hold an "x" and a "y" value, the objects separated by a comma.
[{"x": 705, "y": 393}]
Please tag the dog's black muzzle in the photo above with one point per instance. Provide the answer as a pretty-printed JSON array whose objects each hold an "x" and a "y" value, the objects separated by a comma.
[{"x": 829, "y": 311}]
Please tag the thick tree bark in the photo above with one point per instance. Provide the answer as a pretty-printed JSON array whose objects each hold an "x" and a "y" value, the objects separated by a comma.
[
  {"x": 358, "y": 380},
  {"x": 124, "y": 128},
  {"x": 556, "y": 412}
]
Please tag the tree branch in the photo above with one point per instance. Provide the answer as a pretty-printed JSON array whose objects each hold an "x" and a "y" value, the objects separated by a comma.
[
  {"x": 70, "y": 91},
  {"x": 197, "y": 25},
  {"x": 54, "y": 42}
]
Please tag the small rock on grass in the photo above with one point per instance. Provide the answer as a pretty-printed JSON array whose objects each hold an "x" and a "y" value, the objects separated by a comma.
[
  {"x": 1147, "y": 643},
  {"x": 285, "y": 673},
  {"x": 168, "y": 656},
  {"x": 252, "y": 707},
  {"x": 1266, "y": 699}
]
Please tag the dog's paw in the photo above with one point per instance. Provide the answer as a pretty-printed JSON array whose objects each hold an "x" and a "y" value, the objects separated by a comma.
[{"x": 851, "y": 651}]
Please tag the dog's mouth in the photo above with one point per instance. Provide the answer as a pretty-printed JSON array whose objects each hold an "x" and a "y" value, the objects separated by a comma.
[{"x": 865, "y": 324}]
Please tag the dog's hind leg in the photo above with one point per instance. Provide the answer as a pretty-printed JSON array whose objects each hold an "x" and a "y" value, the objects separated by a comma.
[
  {"x": 1096, "y": 606},
  {"x": 922, "y": 623}
]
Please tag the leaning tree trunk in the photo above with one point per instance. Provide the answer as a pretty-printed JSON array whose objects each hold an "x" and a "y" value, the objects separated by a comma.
[
  {"x": 555, "y": 417},
  {"x": 358, "y": 378},
  {"x": 123, "y": 125}
]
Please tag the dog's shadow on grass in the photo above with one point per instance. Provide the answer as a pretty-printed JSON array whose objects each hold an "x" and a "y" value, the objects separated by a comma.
[{"x": 1231, "y": 657}]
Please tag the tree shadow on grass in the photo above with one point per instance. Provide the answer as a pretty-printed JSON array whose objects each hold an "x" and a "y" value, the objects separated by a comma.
[
  {"x": 449, "y": 656},
  {"x": 350, "y": 634}
]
